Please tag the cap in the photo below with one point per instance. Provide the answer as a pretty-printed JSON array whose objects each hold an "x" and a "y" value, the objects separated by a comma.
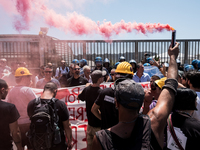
[
  {"x": 149, "y": 59},
  {"x": 22, "y": 71},
  {"x": 185, "y": 99},
  {"x": 129, "y": 93},
  {"x": 161, "y": 82},
  {"x": 195, "y": 61}
]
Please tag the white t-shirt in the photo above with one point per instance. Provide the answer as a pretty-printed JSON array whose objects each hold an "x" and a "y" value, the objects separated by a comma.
[
  {"x": 196, "y": 113},
  {"x": 20, "y": 96},
  {"x": 66, "y": 70}
]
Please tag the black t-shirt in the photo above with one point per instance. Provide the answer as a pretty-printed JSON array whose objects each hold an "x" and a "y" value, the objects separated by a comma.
[
  {"x": 142, "y": 137},
  {"x": 75, "y": 82},
  {"x": 62, "y": 112},
  {"x": 89, "y": 95},
  {"x": 109, "y": 114},
  {"x": 8, "y": 115},
  {"x": 190, "y": 127}
]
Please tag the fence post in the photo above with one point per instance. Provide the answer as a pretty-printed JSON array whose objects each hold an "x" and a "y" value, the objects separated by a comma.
[
  {"x": 136, "y": 51},
  {"x": 186, "y": 53},
  {"x": 84, "y": 50}
]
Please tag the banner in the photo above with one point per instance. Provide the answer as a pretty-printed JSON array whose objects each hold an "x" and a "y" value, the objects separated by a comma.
[
  {"x": 153, "y": 70},
  {"x": 77, "y": 111}
]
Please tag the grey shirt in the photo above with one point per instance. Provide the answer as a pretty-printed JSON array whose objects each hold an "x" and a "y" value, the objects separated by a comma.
[{"x": 41, "y": 83}]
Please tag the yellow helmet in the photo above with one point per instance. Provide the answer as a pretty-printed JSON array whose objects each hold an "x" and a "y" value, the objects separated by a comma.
[
  {"x": 161, "y": 82},
  {"x": 22, "y": 71},
  {"x": 124, "y": 67}
]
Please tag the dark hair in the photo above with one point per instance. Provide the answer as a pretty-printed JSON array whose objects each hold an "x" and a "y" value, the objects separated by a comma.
[
  {"x": 194, "y": 78},
  {"x": 95, "y": 78},
  {"x": 50, "y": 86},
  {"x": 155, "y": 77},
  {"x": 48, "y": 66},
  {"x": 3, "y": 84},
  {"x": 185, "y": 99},
  {"x": 138, "y": 65}
]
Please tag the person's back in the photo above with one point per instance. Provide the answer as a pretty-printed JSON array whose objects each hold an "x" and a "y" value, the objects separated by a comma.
[
  {"x": 187, "y": 128},
  {"x": 89, "y": 95},
  {"x": 63, "y": 123},
  {"x": 9, "y": 116},
  {"x": 21, "y": 95}
]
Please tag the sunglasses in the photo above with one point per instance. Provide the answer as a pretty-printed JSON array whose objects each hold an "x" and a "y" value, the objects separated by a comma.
[
  {"x": 76, "y": 68},
  {"x": 48, "y": 71}
]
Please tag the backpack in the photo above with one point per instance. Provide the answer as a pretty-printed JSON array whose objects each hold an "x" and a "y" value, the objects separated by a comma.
[{"x": 44, "y": 131}]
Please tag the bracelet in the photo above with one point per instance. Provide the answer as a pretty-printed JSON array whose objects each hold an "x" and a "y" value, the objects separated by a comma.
[{"x": 171, "y": 84}]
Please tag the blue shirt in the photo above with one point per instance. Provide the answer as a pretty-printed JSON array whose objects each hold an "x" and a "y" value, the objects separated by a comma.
[{"x": 144, "y": 78}]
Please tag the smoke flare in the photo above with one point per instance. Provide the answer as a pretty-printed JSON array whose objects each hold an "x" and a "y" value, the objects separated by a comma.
[{"x": 74, "y": 22}]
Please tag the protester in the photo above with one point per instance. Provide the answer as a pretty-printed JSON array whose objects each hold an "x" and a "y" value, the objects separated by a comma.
[
  {"x": 4, "y": 69},
  {"x": 140, "y": 76},
  {"x": 62, "y": 69},
  {"x": 76, "y": 79},
  {"x": 50, "y": 90},
  {"x": 150, "y": 94},
  {"x": 86, "y": 73},
  {"x": 93, "y": 90},
  {"x": 83, "y": 62},
  {"x": 135, "y": 131},
  {"x": 10, "y": 78},
  {"x": 113, "y": 75},
  {"x": 98, "y": 63},
  {"x": 186, "y": 128},
  {"x": 48, "y": 71},
  {"x": 9, "y": 128},
  {"x": 20, "y": 96},
  {"x": 193, "y": 82},
  {"x": 158, "y": 84},
  {"x": 105, "y": 101},
  {"x": 65, "y": 76}
]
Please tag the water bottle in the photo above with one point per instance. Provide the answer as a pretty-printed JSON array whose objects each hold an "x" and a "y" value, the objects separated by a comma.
[{"x": 57, "y": 137}]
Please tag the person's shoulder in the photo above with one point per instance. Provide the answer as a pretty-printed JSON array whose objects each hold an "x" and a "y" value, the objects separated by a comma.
[
  {"x": 145, "y": 74},
  {"x": 69, "y": 79},
  {"x": 54, "y": 80},
  {"x": 6, "y": 104},
  {"x": 40, "y": 80}
]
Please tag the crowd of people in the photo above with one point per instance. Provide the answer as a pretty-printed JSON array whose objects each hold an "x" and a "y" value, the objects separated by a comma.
[{"x": 123, "y": 116}]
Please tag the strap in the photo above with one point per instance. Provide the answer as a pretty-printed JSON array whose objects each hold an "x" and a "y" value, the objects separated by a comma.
[
  {"x": 55, "y": 111},
  {"x": 171, "y": 129}
]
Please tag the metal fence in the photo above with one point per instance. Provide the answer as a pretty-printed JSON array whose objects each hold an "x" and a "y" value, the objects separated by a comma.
[
  {"x": 130, "y": 49},
  {"x": 32, "y": 52}
]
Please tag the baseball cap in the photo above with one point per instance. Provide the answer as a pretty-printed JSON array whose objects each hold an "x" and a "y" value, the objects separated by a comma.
[
  {"x": 129, "y": 93},
  {"x": 22, "y": 71}
]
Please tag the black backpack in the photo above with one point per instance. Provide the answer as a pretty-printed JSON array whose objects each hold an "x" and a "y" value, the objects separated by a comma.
[{"x": 44, "y": 131}]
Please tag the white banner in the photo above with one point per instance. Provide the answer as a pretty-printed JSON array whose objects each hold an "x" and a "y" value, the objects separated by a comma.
[{"x": 77, "y": 111}]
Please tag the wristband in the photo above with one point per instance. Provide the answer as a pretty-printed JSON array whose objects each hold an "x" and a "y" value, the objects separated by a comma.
[{"x": 171, "y": 84}]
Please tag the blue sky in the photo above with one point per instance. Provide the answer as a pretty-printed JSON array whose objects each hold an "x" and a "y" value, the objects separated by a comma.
[{"x": 181, "y": 14}]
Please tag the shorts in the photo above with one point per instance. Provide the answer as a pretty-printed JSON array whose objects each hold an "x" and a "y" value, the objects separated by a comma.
[
  {"x": 90, "y": 133},
  {"x": 23, "y": 129}
]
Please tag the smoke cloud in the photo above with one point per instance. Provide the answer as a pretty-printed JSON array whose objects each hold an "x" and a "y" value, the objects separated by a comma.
[{"x": 25, "y": 12}]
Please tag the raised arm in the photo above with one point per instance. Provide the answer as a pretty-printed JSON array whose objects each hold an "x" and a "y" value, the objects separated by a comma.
[{"x": 163, "y": 108}]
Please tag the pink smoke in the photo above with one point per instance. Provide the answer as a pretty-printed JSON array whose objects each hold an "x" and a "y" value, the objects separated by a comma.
[{"x": 74, "y": 22}]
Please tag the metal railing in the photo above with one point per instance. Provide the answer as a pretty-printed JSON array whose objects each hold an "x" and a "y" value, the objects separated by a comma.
[
  {"x": 130, "y": 49},
  {"x": 55, "y": 50}
]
